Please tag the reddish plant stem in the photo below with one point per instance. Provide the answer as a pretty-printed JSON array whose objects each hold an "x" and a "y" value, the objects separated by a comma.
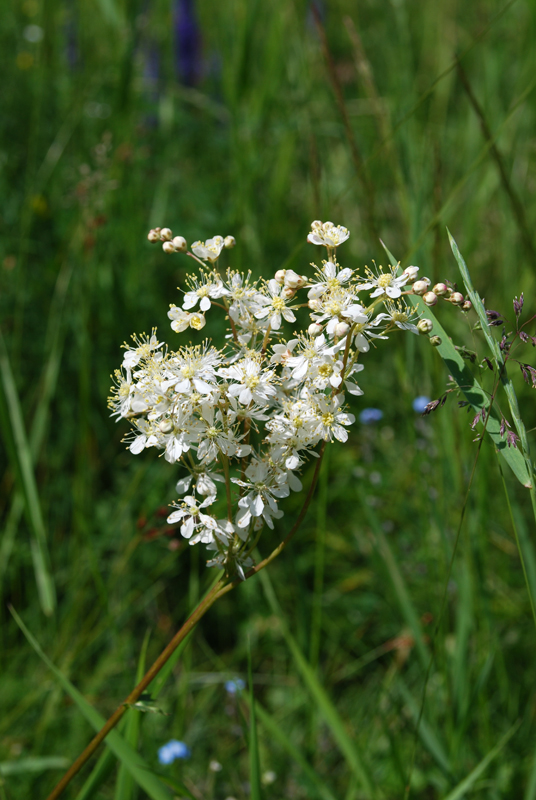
[
  {"x": 220, "y": 589},
  {"x": 190, "y": 623}
]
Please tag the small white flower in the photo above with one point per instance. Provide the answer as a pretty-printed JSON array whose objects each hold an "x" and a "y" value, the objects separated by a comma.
[
  {"x": 328, "y": 234},
  {"x": 209, "y": 250},
  {"x": 273, "y": 307}
]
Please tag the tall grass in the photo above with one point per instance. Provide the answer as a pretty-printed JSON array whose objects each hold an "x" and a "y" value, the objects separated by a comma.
[{"x": 97, "y": 146}]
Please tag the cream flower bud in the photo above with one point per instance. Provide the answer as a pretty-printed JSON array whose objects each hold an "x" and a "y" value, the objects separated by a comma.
[
  {"x": 420, "y": 287},
  {"x": 288, "y": 292},
  {"x": 441, "y": 289},
  {"x": 292, "y": 279},
  {"x": 424, "y": 326},
  {"x": 430, "y": 298},
  {"x": 314, "y": 304},
  {"x": 467, "y": 306},
  {"x": 280, "y": 276},
  {"x": 457, "y": 298},
  {"x": 327, "y": 225},
  {"x": 180, "y": 244},
  {"x": 165, "y": 426},
  {"x": 166, "y": 234},
  {"x": 168, "y": 247},
  {"x": 314, "y": 329},
  {"x": 153, "y": 236},
  {"x": 229, "y": 242},
  {"x": 410, "y": 273},
  {"x": 341, "y": 329},
  {"x": 435, "y": 341}
]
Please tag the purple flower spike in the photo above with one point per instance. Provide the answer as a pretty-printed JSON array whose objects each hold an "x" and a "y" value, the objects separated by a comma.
[{"x": 187, "y": 42}]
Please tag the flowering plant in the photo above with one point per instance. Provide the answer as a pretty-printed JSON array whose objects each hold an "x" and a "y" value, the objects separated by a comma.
[{"x": 242, "y": 419}]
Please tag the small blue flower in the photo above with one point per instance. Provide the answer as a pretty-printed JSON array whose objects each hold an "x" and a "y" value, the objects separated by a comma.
[
  {"x": 174, "y": 749},
  {"x": 420, "y": 403},
  {"x": 370, "y": 415},
  {"x": 234, "y": 686}
]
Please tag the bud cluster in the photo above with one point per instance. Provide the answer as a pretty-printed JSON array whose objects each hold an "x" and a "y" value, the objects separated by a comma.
[{"x": 242, "y": 419}]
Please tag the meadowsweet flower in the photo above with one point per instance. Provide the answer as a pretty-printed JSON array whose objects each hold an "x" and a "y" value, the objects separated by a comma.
[
  {"x": 328, "y": 234},
  {"x": 172, "y": 751},
  {"x": 242, "y": 418},
  {"x": 209, "y": 250}
]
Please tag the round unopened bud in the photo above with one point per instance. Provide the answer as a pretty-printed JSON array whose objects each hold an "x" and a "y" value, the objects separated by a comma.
[
  {"x": 420, "y": 287},
  {"x": 168, "y": 247},
  {"x": 341, "y": 329},
  {"x": 424, "y": 326},
  {"x": 435, "y": 341},
  {"x": 280, "y": 276},
  {"x": 467, "y": 306},
  {"x": 457, "y": 298},
  {"x": 314, "y": 304},
  {"x": 327, "y": 226},
  {"x": 166, "y": 234},
  {"x": 229, "y": 242},
  {"x": 180, "y": 244},
  {"x": 292, "y": 279},
  {"x": 441, "y": 289},
  {"x": 314, "y": 329},
  {"x": 287, "y": 292},
  {"x": 165, "y": 426},
  {"x": 430, "y": 298},
  {"x": 153, "y": 236},
  {"x": 410, "y": 273}
]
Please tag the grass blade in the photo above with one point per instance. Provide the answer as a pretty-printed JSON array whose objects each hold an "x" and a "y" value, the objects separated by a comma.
[
  {"x": 21, "y": 766},
  {"x": 317, "y": 787},
  {"x": 19, "y": 451},
  {"x": 465, "y": 785},
  {"x": 137, "y": 767},
  {"x": 125, "y": 782},
  {"x": 501, "y": 364},
  {"x": 325, "y": 707},
  {"x": 399, "y": 585},
  {"x": 254, "y": 762}
]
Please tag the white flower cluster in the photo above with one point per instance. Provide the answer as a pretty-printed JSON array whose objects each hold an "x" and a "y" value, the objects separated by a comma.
[{"x": 242, "y": 419}]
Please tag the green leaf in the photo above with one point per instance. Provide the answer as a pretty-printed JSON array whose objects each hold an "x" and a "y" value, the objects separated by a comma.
[
  {"x": 21, "y": 458},
  {"x": 133, "y": 762},
  {"x": 465, "y": 785},
  {"x": 21, "y": 766},
  {"x": 471, "y": 389},
  {"x": 125, "y": 781},
  {"x": 254, "y": 762},
  {"x": 317, "y": 788},
  {"x": 474, "y": 394},
  {"x": 326, "y": 708}
]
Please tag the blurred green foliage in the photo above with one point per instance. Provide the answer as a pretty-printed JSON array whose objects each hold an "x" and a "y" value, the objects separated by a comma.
[{"x": 100, "y": 140}]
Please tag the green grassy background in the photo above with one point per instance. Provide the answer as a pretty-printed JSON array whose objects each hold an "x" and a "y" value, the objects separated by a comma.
[{"x": 95, "y": 152}]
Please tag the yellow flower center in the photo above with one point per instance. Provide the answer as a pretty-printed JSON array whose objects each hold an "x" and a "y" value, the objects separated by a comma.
[
  {"x": 325, "y": 370},
  {"x": 197, "y": 322},
  {"x": 252, "y": 381},
  {"x": 278, "y": 303},
  {"x": 328, "y": 419},
  {"x": 384, "y": 281},
  {"x": 399, "y": 316}
]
